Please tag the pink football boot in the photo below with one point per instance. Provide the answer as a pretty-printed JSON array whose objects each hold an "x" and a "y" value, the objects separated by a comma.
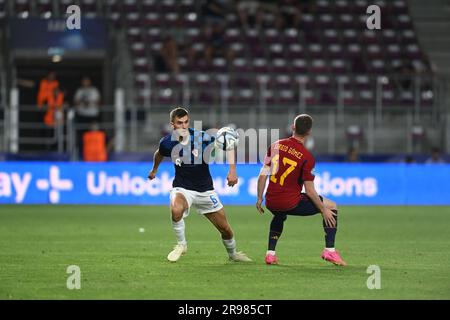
[
  {"x": 333, "y": 257},
  {"x": 271, "y": 259}
]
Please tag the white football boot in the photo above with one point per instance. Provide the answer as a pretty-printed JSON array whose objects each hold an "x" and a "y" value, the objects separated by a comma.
[
  {"x": 177, "y": 252},
  {"x": 240, "y": 257}
]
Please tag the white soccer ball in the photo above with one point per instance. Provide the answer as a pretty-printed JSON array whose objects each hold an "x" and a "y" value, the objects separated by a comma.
[{"x": 227, "y": 139}]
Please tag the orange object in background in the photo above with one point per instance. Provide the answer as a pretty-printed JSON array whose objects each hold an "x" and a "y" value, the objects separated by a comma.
[
  {"x": 94, "y": 146},
  {"x": 53, "y": 104},
  {"x": 46, "y": 90}
]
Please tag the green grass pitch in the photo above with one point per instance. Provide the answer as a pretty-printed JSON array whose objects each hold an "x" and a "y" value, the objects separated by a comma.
[{"x": 38, "y": 243}]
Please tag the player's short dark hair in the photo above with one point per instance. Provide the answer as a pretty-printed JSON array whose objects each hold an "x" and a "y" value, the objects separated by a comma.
[
  {"x": 303, "y": 124},
  {"x": 178, "y": 113}
]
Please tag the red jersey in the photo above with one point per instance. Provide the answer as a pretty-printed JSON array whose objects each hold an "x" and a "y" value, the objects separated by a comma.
[{"x": 291, "y": 164}]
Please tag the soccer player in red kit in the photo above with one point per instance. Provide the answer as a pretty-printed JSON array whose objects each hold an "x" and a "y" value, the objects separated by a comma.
[{"x": 290, "y": 167}]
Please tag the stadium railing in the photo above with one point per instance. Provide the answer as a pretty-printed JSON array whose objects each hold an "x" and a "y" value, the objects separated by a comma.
[{"x": 380, "y": 125}]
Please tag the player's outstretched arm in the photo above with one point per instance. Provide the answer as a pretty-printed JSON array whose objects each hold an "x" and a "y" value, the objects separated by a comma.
[
  {"x": 232, "y": 174},
  {"x": 157, "y": 158},
  {"x": 262, "y": 178},
  {"x": 327, "y": 214}
]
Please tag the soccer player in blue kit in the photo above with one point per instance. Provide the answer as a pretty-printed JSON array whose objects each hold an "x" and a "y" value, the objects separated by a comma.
[{"x": 193, "y": 185}]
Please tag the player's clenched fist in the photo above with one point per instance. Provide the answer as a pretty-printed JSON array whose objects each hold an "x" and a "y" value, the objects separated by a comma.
[
  {"x": 152, "y": 175},
  {"x": 232, "y": 178}
]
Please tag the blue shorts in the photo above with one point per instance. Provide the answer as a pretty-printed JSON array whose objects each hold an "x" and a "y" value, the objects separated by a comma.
[{"x": 305, "y": 207}]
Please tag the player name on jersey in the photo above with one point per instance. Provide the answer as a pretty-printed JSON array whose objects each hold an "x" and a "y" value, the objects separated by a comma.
[{"x": 289, "y": 150}]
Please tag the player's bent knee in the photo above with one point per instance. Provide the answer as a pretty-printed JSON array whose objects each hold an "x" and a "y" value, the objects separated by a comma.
[
  {"x": 177, "y": 213},
  {"x": 330, "y": 204},
  {"x": 334, "y": 205}
]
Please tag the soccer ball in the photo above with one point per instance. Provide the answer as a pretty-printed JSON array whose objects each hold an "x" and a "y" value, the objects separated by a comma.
[{"x": 227, "y": 139}]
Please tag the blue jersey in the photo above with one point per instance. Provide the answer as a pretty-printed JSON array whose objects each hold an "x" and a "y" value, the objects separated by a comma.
[{"x": 190, "y": 160}]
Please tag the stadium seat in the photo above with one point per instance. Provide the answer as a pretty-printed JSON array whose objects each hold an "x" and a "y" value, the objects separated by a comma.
[
  {"x": 276, "y": 50},
  {"x": 342, "y": 6},
  {"x": 295, "y": 50},
  {"x": 241, "y": 65},
  {"x": 219, "y": 65},
  {"x": 138, "y": 49},
  {"x": 152, "y": 19},
  {"x": 331, "y": 36},
  {"x": 141, "y": 80},
  {"x": 374, "y": 51},
  {"x": 346, "y": 21},
  {"x": 338, "y": 66},
  {"x": 251, "y": 37},
  {"x": 287, "y": 97},
  {"x": 299, "y": 66},
  {"x": 88, "y": 6},
  {"x": 260, "y": 65},
  {"x": 186, "y": 6},
  {"x": 238, "y": 49},
  {"x": 168, "y": 6},
  {"x": 232, "y": 35},
  {"x": 389, "y": 36},
  {"x": 291, "y": 36},
  {"x": 319, "y": 66},
  {"x": 394, "y": 51},
  {"x": 350, "y": 36},
  {"x": 149, "y": 6},
  {"x": 399, "y": 7},
  {"x": 170, "y": 18},
  {"x": 280, "y": 65},
  {"x": 43, "y": 6},
  {"x": 271, "y": 36},
  {"x": 348, "y": 98},
  {"x": 167, "y": 96},
  {"x": 335, "y": 51},
  {"x": 141, "y": 64},
  {"x": 134, "y": 35},
  {"x": 133, "y": 19},
  {"x": 367, "y": 98}
]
